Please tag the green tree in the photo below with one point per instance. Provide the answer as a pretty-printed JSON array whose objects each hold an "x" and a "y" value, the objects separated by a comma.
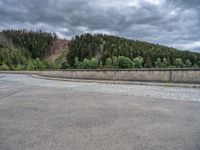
[
  {"x": 148, "y": 63},
  {"x": 138, "y": 61},
  {"x": 30, "y": 65},
  {"x": 76, "y": 62},
  {"x": 165, "y": 63},
  {"x": 179, "y": 63},
  {"x": 124, "y": 62},
  {"x": 114, "y": 61},
  {"x": 109, "y": 62},
  {"x": 86, "y": 63},
  {"x": 188, "y": 63},
  {"x": 94, "y": 63},
  {"x": 158, "y": 63},
  {"x": 100, "y": 64},
  {"x": 198, "y": 63}
]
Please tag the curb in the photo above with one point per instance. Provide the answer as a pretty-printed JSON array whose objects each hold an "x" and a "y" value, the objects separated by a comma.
[{"x": 119, "y": 82}]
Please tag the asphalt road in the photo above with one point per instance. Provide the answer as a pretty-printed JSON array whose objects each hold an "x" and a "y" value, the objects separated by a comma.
[{"x": 38, "y": 114}]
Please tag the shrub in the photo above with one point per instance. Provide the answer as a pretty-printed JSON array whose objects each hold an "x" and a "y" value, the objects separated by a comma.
[
  {"x": 52, "y": 66},
  {"x": 195, "y": 66},
  {"x": 34, "y": 64},
  {"x": 39, "y": 64},
  {"x": 30, "y": 65},
  {"x": 19, "y": 67},
  {"x": 171, "y": 66},
  {"x": 4, "y": 67},
  {"x": 65, "y": 65},
  {"x": 81, "y": 65}
]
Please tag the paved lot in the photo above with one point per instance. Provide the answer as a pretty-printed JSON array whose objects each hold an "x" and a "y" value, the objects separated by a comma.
[{"x": 38, "y": 114}]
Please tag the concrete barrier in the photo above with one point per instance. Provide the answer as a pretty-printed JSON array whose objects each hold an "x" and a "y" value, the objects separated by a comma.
[{"x": 155, "y": 75}]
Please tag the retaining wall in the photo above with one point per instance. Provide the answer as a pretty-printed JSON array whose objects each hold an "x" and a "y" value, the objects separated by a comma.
[{"x": 156, "y": 75}]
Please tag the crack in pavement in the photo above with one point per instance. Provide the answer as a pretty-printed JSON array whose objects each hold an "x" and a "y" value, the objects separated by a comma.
[{"x": 16, "y": 92}]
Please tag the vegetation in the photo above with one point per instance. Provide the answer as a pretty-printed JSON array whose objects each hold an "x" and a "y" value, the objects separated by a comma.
[
  {"x": 188, "y": 63},
  {"x": 138, "y": 61},
  {"x": 124, "y": 62},
  {"x": 143, "y": 54},
  {"x": 25, "y": 50},
  {"x": 37, "y": 43},
  {"x": 179, "y": 63},
  {"x": 14, "y": 59},
  {"x": 87, "y": 64},
  {"x": 11, "y": 58}
]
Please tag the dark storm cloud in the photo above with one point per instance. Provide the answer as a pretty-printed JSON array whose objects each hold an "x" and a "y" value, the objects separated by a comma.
[{"x": 171, "y": 22}]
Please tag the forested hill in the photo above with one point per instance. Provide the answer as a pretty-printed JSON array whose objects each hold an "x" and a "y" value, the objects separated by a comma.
[
  {"x": 32, "y": 50},
  {"x": 106, "y": 47}
]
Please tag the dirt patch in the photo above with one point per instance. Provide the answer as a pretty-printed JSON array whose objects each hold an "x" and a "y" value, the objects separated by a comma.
[{"x": 56, "y": 50}]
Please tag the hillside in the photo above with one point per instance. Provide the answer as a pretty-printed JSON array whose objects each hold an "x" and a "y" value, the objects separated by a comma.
[
  {"x": 108, "y": 48},
  {"x": 57, "y": 47},
  {"x": 57, "y": 53},
  {"x": 30, "y": 50}
]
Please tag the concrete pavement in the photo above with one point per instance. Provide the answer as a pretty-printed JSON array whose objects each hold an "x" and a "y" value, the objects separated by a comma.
[{"x": 38, "y": 114}]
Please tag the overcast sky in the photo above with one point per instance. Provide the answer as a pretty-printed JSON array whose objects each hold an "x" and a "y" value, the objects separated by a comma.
[{"x": 174, "y": 23}]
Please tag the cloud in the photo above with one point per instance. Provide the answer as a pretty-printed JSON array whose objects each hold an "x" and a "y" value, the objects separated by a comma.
[{"x": 170, "y": 22}]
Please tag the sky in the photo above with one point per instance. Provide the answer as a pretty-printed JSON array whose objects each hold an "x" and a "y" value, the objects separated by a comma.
[{"x": 175, "y": 23}]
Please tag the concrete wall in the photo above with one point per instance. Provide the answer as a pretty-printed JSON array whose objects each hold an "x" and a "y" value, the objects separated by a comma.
[{"x": 157, "y": 75}]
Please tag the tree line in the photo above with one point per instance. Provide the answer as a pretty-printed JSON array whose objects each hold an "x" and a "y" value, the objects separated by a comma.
[
  {"x": 123, "y": 62},
  {"x": 35, "y": 42}
]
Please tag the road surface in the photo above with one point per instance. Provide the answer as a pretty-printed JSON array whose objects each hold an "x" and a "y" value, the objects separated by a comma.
[{"x": 38, "y": 114}]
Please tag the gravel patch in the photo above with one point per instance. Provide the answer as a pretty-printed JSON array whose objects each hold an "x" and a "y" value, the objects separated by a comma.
[{"x": 164, "y": 92}]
